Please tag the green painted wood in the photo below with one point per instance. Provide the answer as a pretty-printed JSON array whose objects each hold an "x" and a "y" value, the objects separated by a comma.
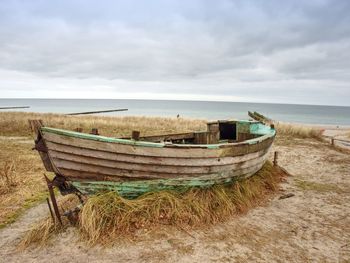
[
  {"x": 256, "y": 128},
  {"x": 133, "y": 189}
]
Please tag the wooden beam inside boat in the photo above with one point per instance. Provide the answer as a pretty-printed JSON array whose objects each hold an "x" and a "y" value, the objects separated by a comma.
[{"x": 168, "y": 137}]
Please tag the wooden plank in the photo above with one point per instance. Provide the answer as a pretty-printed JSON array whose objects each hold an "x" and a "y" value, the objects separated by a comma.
[
  {"x": 168, "y": 137},
  {"x": 131, "y": 149},
  {"x": 263, "y": 131},
  {"x": 233, "y": 150},
  {"x": 35, "y": 126},
  {"x": 200, "y": 138},
  {"x": 80, "y": 175},
  {"x": 140, "y": 159},
  {"x": 168, "y": 169}
]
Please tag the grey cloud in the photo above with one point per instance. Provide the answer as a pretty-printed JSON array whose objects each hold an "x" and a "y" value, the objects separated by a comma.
[{"x": 203, "y": 47}]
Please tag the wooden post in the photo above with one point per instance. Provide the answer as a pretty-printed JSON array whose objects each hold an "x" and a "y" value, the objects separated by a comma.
[
  {"x": 94, "y": 131},
  {"x": 275, "y": 159},
  {"x": 135, "y": 135},
  {"x": 79, "y": 129},
  {"x": 51, "y": 213},
  {"x": 35, "y": 126},
  {"x": 332, "y": 141},
  {"x": 53, "y": 199}
]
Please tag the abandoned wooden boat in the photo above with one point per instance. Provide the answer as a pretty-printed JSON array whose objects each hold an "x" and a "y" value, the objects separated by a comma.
[{"x": 227, "y": 151}]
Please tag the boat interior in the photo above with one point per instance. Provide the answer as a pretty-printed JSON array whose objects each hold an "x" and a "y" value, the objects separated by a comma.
[{"x": 222, "y": 131}]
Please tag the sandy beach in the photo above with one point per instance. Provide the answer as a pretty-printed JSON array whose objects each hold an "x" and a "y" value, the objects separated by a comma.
[{"x": 311, "y": 226}]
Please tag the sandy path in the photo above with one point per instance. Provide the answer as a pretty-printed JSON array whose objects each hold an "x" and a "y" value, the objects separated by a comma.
[{"x": 314, "y": 225}]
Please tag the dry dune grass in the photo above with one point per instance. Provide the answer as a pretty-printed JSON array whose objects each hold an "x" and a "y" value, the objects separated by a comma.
[
  {"x": 21, "y": 179},
  {"x": 44, "y": 230},
  {"x": 299, "y": 131},
  {"x": 107, "y": 217},
  {"x": 16, "y": 124},
  {"x": 8, "y": 179}
]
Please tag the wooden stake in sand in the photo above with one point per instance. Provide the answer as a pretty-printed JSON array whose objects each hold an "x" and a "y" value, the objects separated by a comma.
[
  {"x": 275, "y": 159},
  {"x": 53, "y": 198}
]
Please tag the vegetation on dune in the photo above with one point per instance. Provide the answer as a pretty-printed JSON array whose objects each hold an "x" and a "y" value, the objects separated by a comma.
[
  {"x": 8, "y": 179},
  {"x": 298, "y": 131},
  {"x": 21, "y": 179},
  {"x": 16, "y": 124},
  {"x": 45, "y": 229},
  {"x": 107, "y": 216},
  {"x": 318, "y": 187}
]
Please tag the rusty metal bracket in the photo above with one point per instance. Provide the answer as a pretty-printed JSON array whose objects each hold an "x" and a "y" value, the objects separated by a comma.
[
  {"x": 40, "y": 145},
  {"x": 63, "y": 185}
]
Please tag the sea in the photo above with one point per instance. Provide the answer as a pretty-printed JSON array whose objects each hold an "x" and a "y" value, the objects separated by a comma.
[{"x": 210, "y": 110}]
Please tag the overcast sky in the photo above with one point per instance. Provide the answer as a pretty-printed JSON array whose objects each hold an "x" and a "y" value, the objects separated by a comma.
[{"x": 260, "y": 51}]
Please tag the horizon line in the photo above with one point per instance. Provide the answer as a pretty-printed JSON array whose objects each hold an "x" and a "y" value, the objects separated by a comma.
[{"x": 189, "y": 100}]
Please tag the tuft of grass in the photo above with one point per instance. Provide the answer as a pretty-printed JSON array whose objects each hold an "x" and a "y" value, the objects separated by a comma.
[
  {"x": 25, "y": 185},
  {"x": 8, "y": 178},
  {"x": 11, "y": 216},
  {"x": 107, "y": 216},
  {"x": 42, "y": 232},
  {"x": 298, "y": 131},
  {"x": 318, "y": 187}
]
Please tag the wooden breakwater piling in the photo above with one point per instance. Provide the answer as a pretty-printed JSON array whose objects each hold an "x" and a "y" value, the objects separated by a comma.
[
  {"x": 14, "y": 107},
  {"x": 93, "y": 112}
]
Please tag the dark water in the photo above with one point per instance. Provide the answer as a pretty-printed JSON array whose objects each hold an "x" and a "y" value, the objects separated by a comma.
[{"x": 195, "y": 109}]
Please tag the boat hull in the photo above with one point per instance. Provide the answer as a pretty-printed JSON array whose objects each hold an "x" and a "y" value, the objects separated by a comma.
[{"x": 95, "y": 163}]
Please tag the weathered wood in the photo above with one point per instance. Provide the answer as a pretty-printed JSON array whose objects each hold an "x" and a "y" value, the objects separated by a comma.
[
  {"x": 79, "y": 129},
  {"x": 50, "y": 209},
  {"x": 286, "y": 196},
  {"x": 137, "y": 165},
  {"x": 275, "y": 159},
  {"x": 94, "y": 131},
  {"x": 132, "y": 189},
  {"x": 92, "y": 175},
  {"x": 200, "y": 138},
  {"x": 135, "y": 135},
  {"x": 35, "y": 126},
  {"x": 141, "y": 159},
  {"x": 53, "y": 199},
  {"x": 160, "y": 168},
  {"x": 176, "y": 151},
  {"x": 93, "y": 112},
  {"x": 168, "y": 137}
]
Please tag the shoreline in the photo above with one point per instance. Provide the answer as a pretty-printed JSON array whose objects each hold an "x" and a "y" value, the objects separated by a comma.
[{"x": 321, "y": 126}]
